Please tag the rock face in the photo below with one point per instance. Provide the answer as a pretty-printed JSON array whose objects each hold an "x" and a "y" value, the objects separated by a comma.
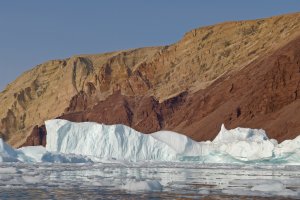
[
  {"x": 264, "y": 94},
  {"x": 241, "y": 73}
]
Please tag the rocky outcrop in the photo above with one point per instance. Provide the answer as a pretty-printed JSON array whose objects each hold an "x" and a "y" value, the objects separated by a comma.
[
  {"x": 264, "y": 94},
  {"x": 46, "y": 91},
  {"x": 189, "y": 86},
  {"x": 37, "y": 137}
]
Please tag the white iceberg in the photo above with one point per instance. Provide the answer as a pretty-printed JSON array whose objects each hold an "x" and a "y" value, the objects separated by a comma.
[
  {"x": 123, "y": 143},
  {"x": 36, "y": 154},
  {"x": 107, "y": 142},
  {"x": 7, "y": 154},
  {"x": 92, "y": 142},
  {"x": 244, "y": 143}
]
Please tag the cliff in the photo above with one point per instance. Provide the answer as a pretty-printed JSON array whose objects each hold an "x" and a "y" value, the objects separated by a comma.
[{"x": 242, "y": 73}]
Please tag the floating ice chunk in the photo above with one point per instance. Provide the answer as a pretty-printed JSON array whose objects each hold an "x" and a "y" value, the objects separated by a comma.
[
  {"x": 246, "y": 151},
  {"x": 6, "y": 149},
  {"x": 152, "y": 185},
  {"x": 7, "y": 170},
  {"x": 7, "y": 153},
  {"x": 32, "y": 153},
  {"x": 274, "y": 187},
  {"x": 288, "y": 146},
  {"x": 244, "y": 143},
  {"x": 269, "y": 186},
  {"x": 36, "y": 154},
  {"x": 31, "y": 179},
  {"x": 240, "y": 134}
]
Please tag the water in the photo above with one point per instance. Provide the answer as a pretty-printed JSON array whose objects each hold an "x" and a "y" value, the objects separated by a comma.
[{"x": 178, "y": 180}]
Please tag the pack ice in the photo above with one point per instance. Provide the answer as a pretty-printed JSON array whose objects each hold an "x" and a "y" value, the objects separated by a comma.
[{"x": 87, "y": 142}]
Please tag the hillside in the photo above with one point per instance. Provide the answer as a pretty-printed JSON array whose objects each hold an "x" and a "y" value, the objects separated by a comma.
[{"x": 241, "y": 73}]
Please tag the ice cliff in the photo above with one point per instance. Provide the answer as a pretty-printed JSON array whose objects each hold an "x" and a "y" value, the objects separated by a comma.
[{"x": 87, "y": 142}]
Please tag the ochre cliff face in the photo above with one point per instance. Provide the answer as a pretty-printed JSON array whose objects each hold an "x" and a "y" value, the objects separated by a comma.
[
  {"x": 264, "y": 94},
  {"x": 240, "y": 73},
  {"x": 46, "y": 91}
]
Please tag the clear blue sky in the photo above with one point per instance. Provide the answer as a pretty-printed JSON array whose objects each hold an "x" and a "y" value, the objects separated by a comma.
[{"x": 34, "y": 31}]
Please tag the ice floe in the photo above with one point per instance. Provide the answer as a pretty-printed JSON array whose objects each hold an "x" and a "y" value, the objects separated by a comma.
[{"x": 151, "y": 185}]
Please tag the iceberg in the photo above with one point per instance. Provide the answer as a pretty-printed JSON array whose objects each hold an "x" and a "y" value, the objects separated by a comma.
[
  {"x": 35, "y": 154},
  {"x": 7, "y": 153},
  {"x": 120, "y": 142},
  {"x": 244, "y": 143},
  {"x": 117, "y": 142},
  {"x": 70, "y": 142}
]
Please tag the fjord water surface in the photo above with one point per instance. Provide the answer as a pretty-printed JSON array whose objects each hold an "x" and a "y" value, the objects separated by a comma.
[
  {"x": 130, "y": 180},
  {"x": 96, "y": 161}
]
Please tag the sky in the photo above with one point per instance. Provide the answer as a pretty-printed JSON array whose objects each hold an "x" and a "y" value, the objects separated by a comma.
[{"x": 34, "y": 31}]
